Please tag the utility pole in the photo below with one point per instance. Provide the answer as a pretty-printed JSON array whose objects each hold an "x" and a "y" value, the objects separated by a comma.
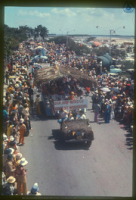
[
  {"x": 111, "y": 32},
  {"x": 67, "y": 41}
]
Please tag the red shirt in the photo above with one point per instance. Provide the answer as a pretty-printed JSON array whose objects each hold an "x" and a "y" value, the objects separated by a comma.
[{"x": 87, "y": 89}]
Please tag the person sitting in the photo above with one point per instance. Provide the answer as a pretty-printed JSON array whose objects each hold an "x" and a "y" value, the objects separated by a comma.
[
  {"x": 34, "y": 190},
  {"x": 70, "y": 116},
  {"x": 63, "y": 116},
  {"x": 71, "y": 97},
  {"x": 82, "y": 115},
  {"x": 8, "y": 188}
]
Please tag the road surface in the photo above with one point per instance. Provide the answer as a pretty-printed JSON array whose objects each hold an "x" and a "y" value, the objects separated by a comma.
[{"x": 105, "y": 169}]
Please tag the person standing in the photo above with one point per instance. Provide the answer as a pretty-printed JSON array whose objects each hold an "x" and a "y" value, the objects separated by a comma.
[
  {"x": 26, "y": 116},
  {"x": 107, "y": 112},
  {"x": 7, "y": 77},
  {"x": 5, "y": 118},
  {"x": 22, "y": 130},
  {"x": 38, "y": 110},
  {"x": 30, "y": 92},
  {"x": 10, "y": 170},
  {"x": 96, "y": 111},
  {"x": 21, "y": 176}
]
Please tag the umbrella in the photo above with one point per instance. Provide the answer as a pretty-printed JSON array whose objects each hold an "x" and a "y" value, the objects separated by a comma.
[
  {"x": 95, "y": 43},
  {"x": 115, "y": 89},
  {"x": 39, "y": 47},
  {"x": 105, "y": 89}
]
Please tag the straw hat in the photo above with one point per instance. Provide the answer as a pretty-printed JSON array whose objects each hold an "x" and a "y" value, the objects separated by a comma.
[
  {"x": 23, "y": 162},
  {"x": 72, "y": 92},
  {"x": 11, "y": 179}
]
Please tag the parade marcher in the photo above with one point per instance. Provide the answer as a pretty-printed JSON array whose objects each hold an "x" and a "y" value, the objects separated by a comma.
[
  {"x": 21, "y": 176},
  {"x": 34, "y": 190}
]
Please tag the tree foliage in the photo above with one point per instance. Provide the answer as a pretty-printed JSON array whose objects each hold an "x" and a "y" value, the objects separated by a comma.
[
  {"x": 72, "y": 46},
  {"x": 14, "y": 36},
  {"x": 42, "y": 31},
  {"x": 90, "y": 39},
  {"x": 100, "y": 51}
]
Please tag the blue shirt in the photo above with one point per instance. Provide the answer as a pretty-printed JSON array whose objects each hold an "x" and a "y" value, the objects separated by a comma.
[{"x": 5, "y": 114}]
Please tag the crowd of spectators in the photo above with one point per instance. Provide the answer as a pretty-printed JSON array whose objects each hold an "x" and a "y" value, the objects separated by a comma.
[
  {"x": 116, "y": 104},
  {"x": 115, "y": 99},
  {"x": 17, "y": 102}
]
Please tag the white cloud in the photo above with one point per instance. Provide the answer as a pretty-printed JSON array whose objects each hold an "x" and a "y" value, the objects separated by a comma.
[
  {"x": 33, "y": 13},
  {"x": 66, "y": 12}
]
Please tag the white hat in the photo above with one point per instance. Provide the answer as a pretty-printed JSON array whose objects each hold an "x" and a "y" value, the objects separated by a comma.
[
  {"x": 5, "y": 138},
  {"x": 3, "y": 175},
  {"x": 35, "y": 188},
  {"x": 12, "y": 138},
  {"x": 23, "y": 162},
  {"x": 21, "y": 120}
]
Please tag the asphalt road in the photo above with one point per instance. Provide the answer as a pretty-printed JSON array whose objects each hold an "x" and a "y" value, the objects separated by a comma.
[{"x": 105, "y": 169}]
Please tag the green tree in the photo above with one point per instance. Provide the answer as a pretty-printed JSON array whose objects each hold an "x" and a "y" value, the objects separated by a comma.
[
  {"x": 100, "y": 51},
  {"x": 12, "y": 38},
  {"x": 42, "y": 31},
  {"x": 90, "y": 39}
]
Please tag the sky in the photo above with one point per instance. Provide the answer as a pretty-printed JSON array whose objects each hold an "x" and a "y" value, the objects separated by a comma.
[{"x": 74, "y": 20}]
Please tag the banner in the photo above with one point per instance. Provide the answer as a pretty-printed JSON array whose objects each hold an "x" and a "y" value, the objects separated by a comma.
[{"x": 70, "y": 104}]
